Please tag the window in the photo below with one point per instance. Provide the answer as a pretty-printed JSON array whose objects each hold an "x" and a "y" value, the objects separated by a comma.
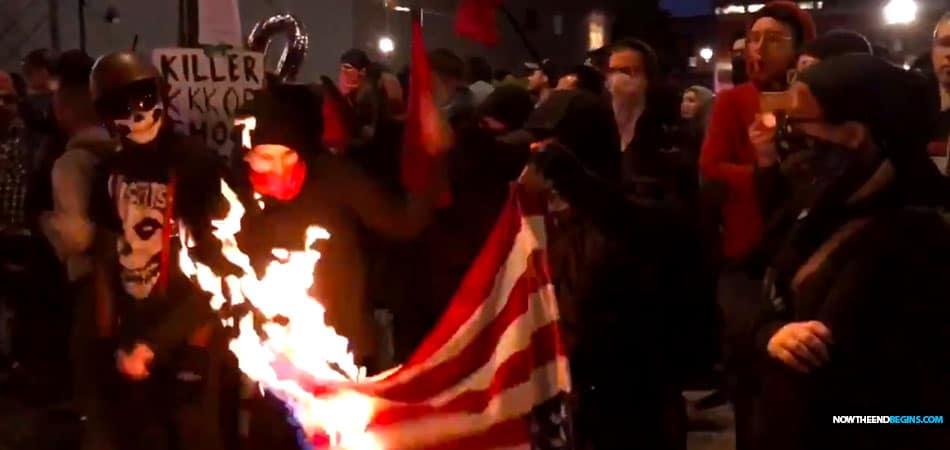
[
  {"x": 596, "y": 33},
  {"x": 753, "y": 7}
]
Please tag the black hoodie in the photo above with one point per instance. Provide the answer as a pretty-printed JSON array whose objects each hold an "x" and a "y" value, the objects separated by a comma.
[{"x": 876, "y": 278}]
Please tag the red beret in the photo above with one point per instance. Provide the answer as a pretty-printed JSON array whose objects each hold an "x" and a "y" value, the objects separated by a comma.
[{"x": 789, "y": 12}]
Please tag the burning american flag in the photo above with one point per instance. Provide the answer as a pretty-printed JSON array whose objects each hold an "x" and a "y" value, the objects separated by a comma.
[{"x": 492, "y": 374}]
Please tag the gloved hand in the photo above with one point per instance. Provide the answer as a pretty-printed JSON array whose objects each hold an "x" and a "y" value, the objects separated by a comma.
[{"x": 191, "y": 368}]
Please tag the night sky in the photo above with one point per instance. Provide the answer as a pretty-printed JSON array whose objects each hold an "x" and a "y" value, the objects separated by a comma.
[{"x": 683, "y": 8}]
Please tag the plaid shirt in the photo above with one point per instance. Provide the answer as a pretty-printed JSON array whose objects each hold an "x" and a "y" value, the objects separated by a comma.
[{"x": 14, "y": 178}]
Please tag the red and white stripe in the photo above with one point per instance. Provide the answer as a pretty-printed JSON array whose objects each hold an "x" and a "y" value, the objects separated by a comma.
[{"x": 494, "y": 356}]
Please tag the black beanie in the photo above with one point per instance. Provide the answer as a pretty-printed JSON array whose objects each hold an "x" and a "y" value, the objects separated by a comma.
[
  {"x": 287, "y": 114},
  {"x": 898, "y": 107},
  {"x": 838, "y": 42}
]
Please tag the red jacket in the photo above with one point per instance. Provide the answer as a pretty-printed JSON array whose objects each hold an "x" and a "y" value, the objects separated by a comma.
[{"x": 727, "y": 156}]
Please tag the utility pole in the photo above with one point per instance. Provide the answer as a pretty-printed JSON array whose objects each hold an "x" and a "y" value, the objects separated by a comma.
[
  {"x": 54, "y": 36},
  {"x": 82, "y": 24},
  {"x": 187, "y": 23}
]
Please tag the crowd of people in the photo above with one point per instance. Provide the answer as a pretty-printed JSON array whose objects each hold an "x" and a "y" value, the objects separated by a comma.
[{"x": 782, "y": 242}]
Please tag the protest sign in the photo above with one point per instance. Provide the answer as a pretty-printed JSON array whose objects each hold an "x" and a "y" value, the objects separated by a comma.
[{"x": 205, "y": 91}]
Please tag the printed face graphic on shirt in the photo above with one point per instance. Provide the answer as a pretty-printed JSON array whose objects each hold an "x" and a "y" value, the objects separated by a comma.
[{"x": 141, "y": 206}]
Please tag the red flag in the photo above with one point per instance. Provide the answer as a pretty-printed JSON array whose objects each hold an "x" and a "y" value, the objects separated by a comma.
[
  {"x": 476, "y": 20},
  {"x": 426, "y": 135},
  {"x": 493, "y": 374}
]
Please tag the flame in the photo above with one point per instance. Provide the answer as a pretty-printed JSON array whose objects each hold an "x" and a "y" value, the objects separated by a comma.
[{"x": 296, "y": 349}]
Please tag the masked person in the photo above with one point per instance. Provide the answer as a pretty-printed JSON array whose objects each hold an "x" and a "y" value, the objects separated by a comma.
[
  {"x": 611, "y": 262},
  {"x": 645, "y": 114},
  {"x": 353, "y": 66},
  {"x": 301, "y": 184},
  {"x": 771, "y": 186},
  {"x": 855, "y": 298},
  {"x": 156, "y": 343}
]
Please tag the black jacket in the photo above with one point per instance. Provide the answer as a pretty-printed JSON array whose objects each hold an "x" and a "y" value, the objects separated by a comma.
[
  {"x": 632, "y": 275},
  {"x": 883, "y": 295},
  {"x": 339, "y": 197},
  {"x": 133, "y": 194},
  {"x": 653, "y": 164}
]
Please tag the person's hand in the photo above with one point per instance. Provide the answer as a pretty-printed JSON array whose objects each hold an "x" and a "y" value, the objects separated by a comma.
[
  {"x": 134, "y": 364},
  {"x": 802, "y": 346},
  {"x": 762, "y": 136}
]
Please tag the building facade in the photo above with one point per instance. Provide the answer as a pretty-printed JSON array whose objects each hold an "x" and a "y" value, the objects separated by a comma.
[
  {"x": 559, "y": 29},
  {"x": 900, "y": 43}
]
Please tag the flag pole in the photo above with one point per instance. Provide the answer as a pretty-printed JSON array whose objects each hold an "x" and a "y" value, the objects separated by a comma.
[{"x": 521, "y": 34}]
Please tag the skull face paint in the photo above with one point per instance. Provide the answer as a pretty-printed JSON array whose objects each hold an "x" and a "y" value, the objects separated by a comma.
[
  {"x": 141, "y": 207},
  {"x": 143, "y": 125},
  {"x": 137, "y": 112}
]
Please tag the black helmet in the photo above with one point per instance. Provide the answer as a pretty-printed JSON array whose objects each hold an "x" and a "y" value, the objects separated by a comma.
[{"x": 116, "y": 71}]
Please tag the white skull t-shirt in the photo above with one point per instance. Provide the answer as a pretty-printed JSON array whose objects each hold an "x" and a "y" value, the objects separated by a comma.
[
  {"x": 142, "y": 207},
  {"x": 140, "y": 192}
]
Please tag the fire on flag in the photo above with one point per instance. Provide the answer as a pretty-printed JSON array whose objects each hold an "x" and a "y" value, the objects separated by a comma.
[{"x": 492, "y": 374}]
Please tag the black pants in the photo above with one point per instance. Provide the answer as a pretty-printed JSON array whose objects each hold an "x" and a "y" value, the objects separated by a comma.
[
  {"x": 630, "y": 417},
  {"x": 33, "y": 287},
  {"x": 122, "y": 414},
  {"x": 625, "y": 406}
]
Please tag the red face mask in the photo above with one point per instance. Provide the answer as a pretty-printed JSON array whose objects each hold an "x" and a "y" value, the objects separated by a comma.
[{"x": 282, "y": 187}]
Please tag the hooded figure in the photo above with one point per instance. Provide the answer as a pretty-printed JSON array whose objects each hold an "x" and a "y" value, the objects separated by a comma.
[
  {"x": 153, "y": 324},
  {"x": 854, "y": 308},
  {"x": 302, "y": 184},
  {"x": 619, "y": 269},
  {"x": 832, "y": 43}
]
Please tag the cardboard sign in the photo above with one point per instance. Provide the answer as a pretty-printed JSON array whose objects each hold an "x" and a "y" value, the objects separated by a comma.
[{"x": 205, "y": 91}]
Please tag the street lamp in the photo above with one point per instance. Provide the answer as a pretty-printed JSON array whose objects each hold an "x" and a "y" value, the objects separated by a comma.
[
  {"x": 706, "y": 54},
  {"x": 900, "y": 12},
  {"x": 386, "y": 45}
]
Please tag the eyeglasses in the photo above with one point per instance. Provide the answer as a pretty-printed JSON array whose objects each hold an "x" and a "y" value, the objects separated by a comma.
[{"x": 768, "y": 38}]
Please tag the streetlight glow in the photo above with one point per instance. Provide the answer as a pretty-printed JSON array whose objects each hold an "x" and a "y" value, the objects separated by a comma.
[
  {"x": 706, "y": 53},
  {"x": 386, "y": 45},
  {"x": 900, "y": 12}
]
